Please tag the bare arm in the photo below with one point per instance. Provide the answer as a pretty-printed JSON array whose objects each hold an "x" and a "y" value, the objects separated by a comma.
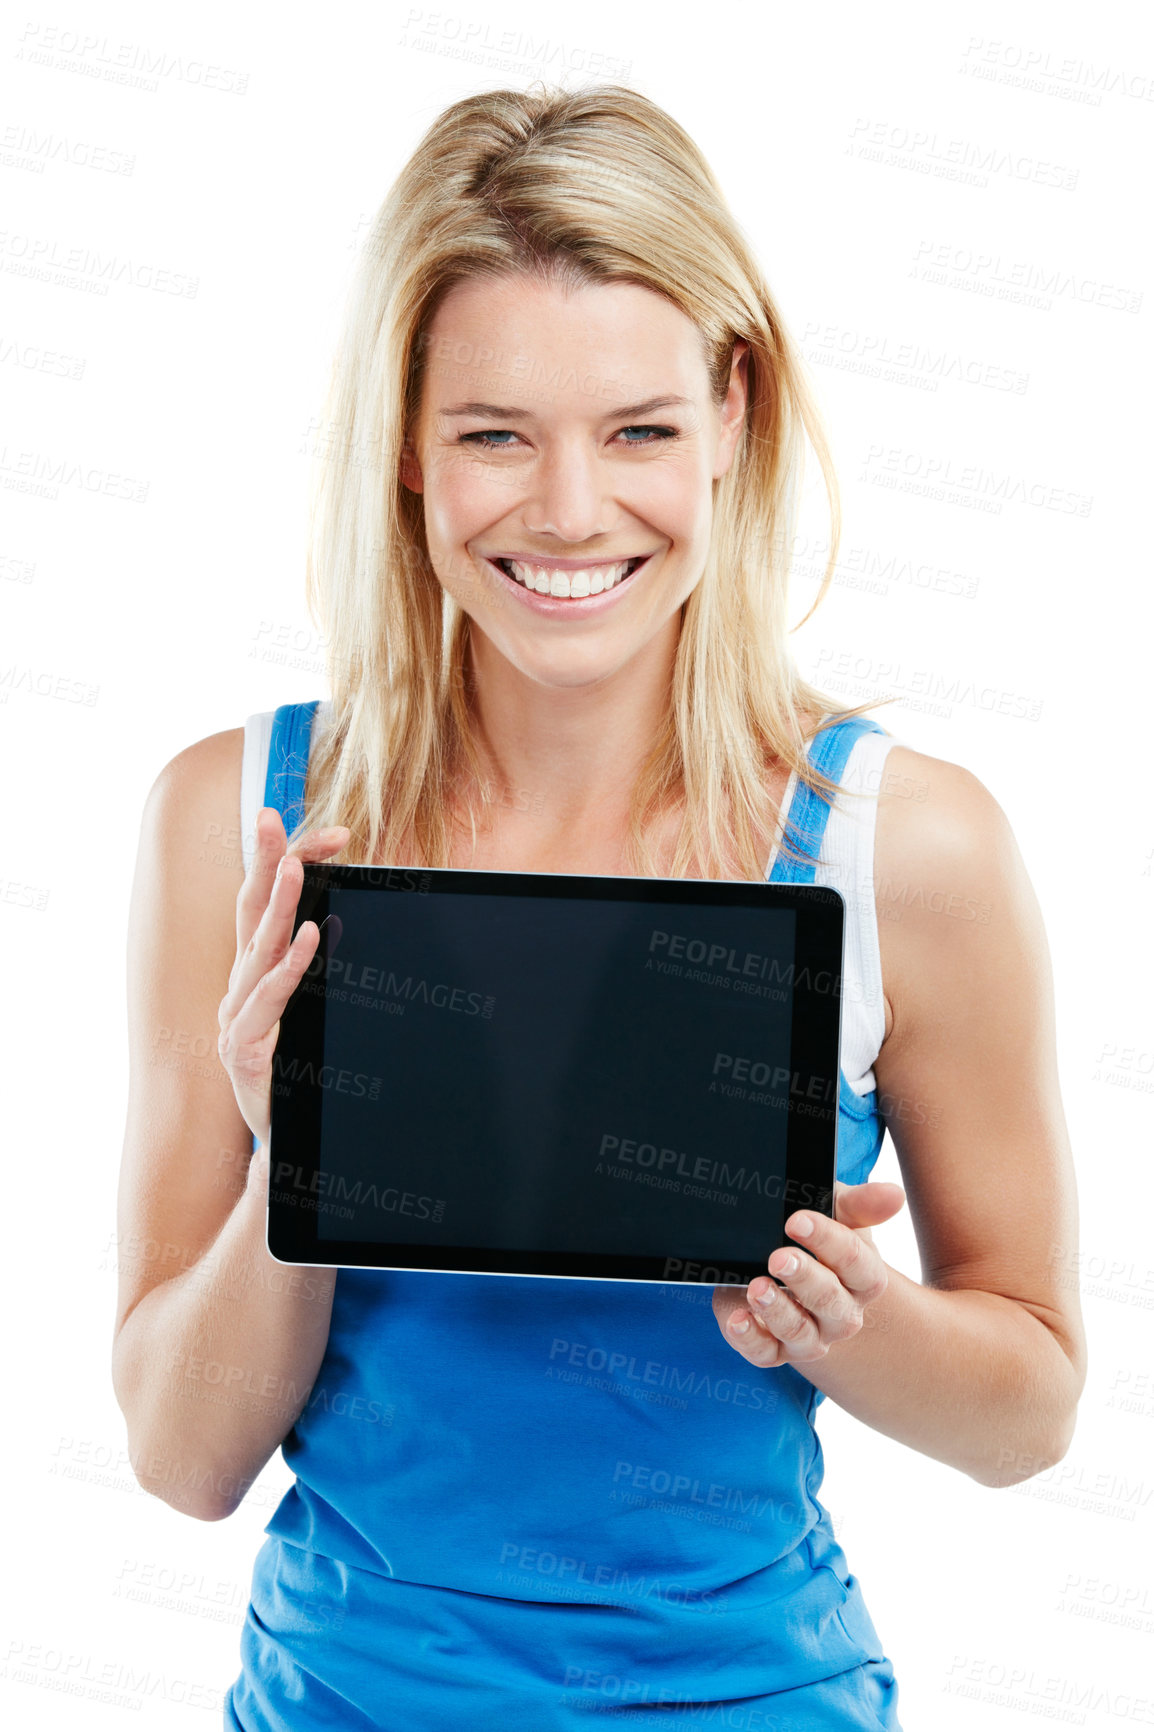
[
  {"x": 982, "y": 1364},
  {"x": 216, "y": 1344}
]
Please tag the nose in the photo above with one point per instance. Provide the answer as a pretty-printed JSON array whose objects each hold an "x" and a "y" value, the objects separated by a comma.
[{"x": 569, "y": 494}]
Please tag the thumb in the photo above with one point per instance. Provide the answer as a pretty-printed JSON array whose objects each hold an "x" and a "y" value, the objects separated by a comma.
[{"x": 867, "y": 1205}]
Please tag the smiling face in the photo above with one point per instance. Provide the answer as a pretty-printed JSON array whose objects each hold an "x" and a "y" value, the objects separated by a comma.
[{"x": 567, "y": 468}]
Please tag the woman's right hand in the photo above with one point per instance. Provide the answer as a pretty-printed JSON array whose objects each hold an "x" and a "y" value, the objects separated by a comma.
[{"x": 269, "y": 961}]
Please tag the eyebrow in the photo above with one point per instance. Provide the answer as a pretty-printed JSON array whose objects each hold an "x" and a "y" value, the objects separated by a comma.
[{"x": 502, "y": 412}]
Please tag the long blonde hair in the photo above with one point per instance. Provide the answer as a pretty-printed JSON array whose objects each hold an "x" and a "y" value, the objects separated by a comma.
[{"x": 557, "y": 183}]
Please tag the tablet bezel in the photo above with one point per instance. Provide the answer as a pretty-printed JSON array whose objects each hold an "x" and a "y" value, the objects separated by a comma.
[{"x": 811, "y": 1143}]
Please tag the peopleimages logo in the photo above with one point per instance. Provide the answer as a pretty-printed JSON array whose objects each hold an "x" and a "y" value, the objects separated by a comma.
[
  {"x": 723, "y": 959},
  {"x": 376, "y": 988},
  {"x": 700, "y": 1169},
  {"x": 759, "y": 1391},
  {"x": 325, "y": 1076},
  {"x": 764, "y": 1075},
  {"x": 531, "y": 1561},
  {"x": 338, "y": 1189}
]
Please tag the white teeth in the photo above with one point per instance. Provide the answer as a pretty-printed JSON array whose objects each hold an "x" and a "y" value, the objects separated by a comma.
[{"x": 591, "y": 581}]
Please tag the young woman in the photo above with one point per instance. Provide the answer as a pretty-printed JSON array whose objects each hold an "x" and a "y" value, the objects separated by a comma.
[{"x": 558, "y": 481}]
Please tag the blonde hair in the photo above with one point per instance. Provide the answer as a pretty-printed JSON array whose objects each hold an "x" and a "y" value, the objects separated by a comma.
[{"x": 557, "y": 184}]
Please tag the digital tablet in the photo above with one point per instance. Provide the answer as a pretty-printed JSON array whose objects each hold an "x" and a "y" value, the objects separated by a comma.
[{"x": 529, "y": 1073}]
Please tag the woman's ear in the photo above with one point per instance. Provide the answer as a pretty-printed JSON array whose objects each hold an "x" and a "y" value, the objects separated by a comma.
[
  {"x": 411, "y": 469},
  {"x": 734, "y": 408}
]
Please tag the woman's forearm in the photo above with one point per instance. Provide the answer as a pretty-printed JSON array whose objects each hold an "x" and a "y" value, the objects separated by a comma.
[
  {"x": 968, "y": 1377},
  {"x": 214, "y": 1365}
]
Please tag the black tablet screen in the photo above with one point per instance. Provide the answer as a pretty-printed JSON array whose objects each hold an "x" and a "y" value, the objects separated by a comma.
[{"x": 548, "y": 1074}]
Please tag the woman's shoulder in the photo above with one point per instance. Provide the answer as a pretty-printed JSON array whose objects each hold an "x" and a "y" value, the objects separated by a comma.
[
  {"x": 211, "y": 756},
  {"x": 954, "y": 902},
  {"x": 193, "y": 806},
  {"x": 206, "y": 768},
  {"x": 937, "y": 819}
]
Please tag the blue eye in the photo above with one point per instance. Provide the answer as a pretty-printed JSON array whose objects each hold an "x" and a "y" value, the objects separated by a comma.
[
  {"x": 488, "y": 440},
  {"x": 661, "y": 432}
]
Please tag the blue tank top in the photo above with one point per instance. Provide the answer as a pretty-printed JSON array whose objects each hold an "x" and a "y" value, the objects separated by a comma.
[{"x": 578, "y": 1468}]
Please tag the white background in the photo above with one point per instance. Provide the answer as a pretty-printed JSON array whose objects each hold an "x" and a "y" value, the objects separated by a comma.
[{"x": 919, "y": 284}]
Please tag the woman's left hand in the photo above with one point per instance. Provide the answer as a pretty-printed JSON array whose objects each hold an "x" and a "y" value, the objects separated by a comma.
[{"x": 839, "y": 1272}]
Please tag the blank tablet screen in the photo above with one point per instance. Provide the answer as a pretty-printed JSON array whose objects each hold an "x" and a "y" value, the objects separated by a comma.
[{"x": 557, "y": 1076}]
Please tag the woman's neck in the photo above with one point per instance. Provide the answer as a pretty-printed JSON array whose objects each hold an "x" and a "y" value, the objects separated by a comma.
[{"x": 569, "y": 756}]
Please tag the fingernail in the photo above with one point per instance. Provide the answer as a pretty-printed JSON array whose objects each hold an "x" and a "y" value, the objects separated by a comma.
[
  {"x": 802, "y": 1227},
  {"x": 768, "y": 1298},
  {"x": 740, "y": 1324},
  {"x": 788, "y": 1266}
]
